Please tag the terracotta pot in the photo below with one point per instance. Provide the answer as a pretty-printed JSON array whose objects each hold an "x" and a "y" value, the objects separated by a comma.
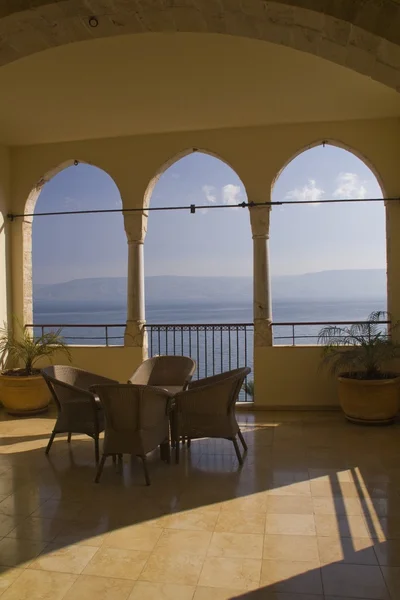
[
  {"x": 24, "y": 395},
  {"x": 370, "y": 401}
]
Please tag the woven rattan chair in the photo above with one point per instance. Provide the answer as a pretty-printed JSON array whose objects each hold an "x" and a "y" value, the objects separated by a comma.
[
  {"x": 207, "y": 409},
  {"x": 78, "y": 411},
  {"x": 165, "y": 371},
  {"x": 137, "y": 421}
]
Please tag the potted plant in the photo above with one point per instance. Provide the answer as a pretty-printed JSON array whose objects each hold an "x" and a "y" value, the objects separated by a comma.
[
  {"x": 248, "y": 388},
  {"x": 358, "y": 354},
  {"x": 23, "y": 391}
]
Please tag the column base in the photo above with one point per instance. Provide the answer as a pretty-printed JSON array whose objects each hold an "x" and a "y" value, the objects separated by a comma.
[
  {"x": 136, "y": 335},
  {"x": 263, "y": 333}
]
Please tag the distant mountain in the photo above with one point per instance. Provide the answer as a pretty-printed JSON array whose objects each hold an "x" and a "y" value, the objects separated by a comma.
[{"x": 111, "y": 292}]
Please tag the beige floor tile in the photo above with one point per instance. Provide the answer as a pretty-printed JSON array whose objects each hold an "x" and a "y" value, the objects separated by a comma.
[
  {"x": 239, "y": 545},
  {"x": 183, "y": 541},
  {"x": 68, "y": 559},
  {"x": 20, "y": 505},
  {"x": 59, "y": 509},
  {"x": 295, "y": 505},
  {"x": 327, "y": 490},
  {"x": 392, "y": 579},
  {"x": 144, "y": 590},
  {"x": 36, "y": 529},
  {"x": 388, "y": 553},
  {"x": 357, "y": 551},
  {"x": 359, "y": 581},
  {"x": 240, "y": 522},
  {"x": 89, "y": 534},
  {"x": 8, "y": 523},
  {"x": 8, "y": 576},
  {"x": 117, "y": 563},
  {"x": 194, "y": 520},
  {"x": 134, "y": 537},
  {"x": 168, "y": 567},
  {"x": 331, "y": 476},
  {"x": 213, "y": 593},
  {"x": 299, "y": 577},
  {"x": 290, "y": 548},
  {"x": 334, "y": 526},
  {"x": 337, "y": 505},
  {"x": 290, "y": 524},
  {"x": 39, "y": 585},
  {"x": 89, "y": 587},
  {"x": 235, "y": 573},
  {"x": 257, "y": 502},
  {"x": 19, "y": 553},
  {"x": 301, "y": 488}
]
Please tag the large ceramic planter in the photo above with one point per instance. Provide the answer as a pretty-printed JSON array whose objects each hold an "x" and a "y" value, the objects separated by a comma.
[
  {"x": 370, "y": 401},
  {"x": 24, "y": 395}
]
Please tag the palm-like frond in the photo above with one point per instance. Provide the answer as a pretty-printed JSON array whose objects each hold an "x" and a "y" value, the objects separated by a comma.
[
  {"x": 248, "y": 388},
  {"x": 27, "y": 349},
  {"x": 361, "y": 347}
]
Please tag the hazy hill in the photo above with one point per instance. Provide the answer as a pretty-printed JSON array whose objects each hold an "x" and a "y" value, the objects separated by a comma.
[{"x": 110, "y": 292}]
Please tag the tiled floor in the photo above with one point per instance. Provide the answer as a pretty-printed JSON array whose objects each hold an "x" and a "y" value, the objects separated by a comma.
[{"x": 314, "y": 514}]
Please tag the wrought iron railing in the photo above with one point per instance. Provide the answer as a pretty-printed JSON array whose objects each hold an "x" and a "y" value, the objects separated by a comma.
[
  {"x": 287, "y": 333},
  {"x": 214, "y": 347},
  {"x": 102, "y": 334}
]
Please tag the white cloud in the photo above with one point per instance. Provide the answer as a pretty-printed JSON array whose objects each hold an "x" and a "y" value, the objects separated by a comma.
[
  {"x": 308, "y": 193},
  {"x": 231, "y": 194},
  {"x": 350, "y": 186},
  {"x": 210, "y": 193}
]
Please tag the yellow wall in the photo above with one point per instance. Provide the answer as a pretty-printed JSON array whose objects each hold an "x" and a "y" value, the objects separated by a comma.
[
  {"x": 4, "y": 254},
  {"x": 115, "y": 362},
  {"x": 283, "y": 376},
  {"x": 289, "y": 376}
]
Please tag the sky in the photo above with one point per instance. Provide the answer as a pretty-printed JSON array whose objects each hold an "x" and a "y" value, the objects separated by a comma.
[{"x": 217, "y": 242}]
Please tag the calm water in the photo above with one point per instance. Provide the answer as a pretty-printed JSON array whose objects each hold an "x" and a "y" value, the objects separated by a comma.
[{"x": 283, "y": 311}]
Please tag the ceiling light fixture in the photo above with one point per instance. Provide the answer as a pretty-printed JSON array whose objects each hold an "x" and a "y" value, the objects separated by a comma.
[{"x": 93, "y": 22}]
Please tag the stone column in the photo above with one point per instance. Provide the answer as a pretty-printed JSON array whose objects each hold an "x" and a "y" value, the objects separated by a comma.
[
  {"x": 135, "y": 227},
  {"x": 262, "y": 307}
]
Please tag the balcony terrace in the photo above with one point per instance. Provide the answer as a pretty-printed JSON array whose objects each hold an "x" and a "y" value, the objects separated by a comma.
[{"x": 131, "y": 86}]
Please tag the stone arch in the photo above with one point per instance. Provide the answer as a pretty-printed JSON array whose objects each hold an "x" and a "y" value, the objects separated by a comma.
[
  {"x": 338, "y": 144},
  {"x": 174, "y": 159},
  {"x": 363, "y": 36},
  {"x": 27, "y": 223},
  {"x": 381, "y": 216}
]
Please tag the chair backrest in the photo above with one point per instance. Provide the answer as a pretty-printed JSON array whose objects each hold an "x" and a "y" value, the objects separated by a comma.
[
  {"x": 164, "y": 370},
  {"x": 218, "y": 394},
  {"x": 132, "y": 409},
  {"x": 66, "y": 383}
]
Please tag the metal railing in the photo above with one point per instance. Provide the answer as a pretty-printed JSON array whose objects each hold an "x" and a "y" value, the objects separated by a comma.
[
  {"x": 311, "y": 329},
  {"x": 82, "y": 332},
  {"x": 214, "y": 347}
]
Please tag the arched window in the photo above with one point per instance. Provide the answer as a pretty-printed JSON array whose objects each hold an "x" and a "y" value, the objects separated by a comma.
[
  {"x": 79, "y": 261},
  {"x": 199, "y": 266},
  {"x": 328, "y": 260}
]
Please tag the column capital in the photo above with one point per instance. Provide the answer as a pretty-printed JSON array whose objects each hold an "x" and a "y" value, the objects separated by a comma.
[
  {"x": 259, "y": 219},
  {"x": 135, "y": 224}
]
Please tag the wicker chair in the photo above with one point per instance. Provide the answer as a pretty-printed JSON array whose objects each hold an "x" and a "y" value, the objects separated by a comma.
[
  {"x": 207, "y": 409},
  {"x": 137, "y": 421},
  {"x": 78, "y": 411},
  {"x": 165, "y": 371}
]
